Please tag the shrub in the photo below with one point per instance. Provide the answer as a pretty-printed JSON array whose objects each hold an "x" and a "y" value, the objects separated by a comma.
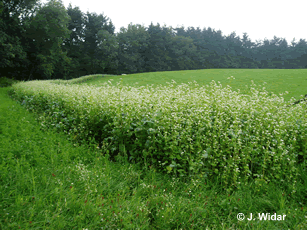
[{"x": 6, "y": 82}]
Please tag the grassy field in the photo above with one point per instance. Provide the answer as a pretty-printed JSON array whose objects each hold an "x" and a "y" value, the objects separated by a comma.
[
  {"x": 278, "y": 80},
  {"x": 51, "y": 181}
]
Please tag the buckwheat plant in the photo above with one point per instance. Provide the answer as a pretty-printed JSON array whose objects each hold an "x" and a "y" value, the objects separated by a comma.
[{"x": 181, "y": 129}]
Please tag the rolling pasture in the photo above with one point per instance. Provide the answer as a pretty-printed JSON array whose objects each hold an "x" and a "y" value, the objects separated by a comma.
[
  {"x": 277, "y": 80},
  {"x": 136, "y": 152}
]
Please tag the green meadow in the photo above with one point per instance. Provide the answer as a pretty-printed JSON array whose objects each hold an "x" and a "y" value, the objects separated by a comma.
[
  {"x": 166, "y": 150},
  {"x": 277, "y": 80}
]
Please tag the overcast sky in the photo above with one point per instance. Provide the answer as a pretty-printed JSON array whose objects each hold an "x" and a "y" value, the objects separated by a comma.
[{"x": 259, "y": 19}]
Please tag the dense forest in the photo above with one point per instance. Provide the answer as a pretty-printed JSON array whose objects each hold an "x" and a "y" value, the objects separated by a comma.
[{"x": 48, "y": 41}]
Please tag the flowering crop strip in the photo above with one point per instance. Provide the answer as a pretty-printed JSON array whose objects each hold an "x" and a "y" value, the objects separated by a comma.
[{"x": 181, "y": 129}]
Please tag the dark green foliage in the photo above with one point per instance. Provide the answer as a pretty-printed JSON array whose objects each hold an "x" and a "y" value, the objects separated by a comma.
[
  {"x": 50, "y": 42},
  {"x": 157, "y": 55},
  {"x": 13, "y": 21},
  {"x": 5, "y": 82},
  {"x": 48, "y": 29},
  {"x": 133, "y": 43},
  {"x": 92, "y": 44}
]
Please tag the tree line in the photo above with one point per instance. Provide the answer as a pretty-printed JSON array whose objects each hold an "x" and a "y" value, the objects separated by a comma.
[{"x": 48, "y": 41}]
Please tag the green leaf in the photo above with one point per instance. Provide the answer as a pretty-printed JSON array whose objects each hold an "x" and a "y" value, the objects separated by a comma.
[{"x": 165, "y": 162}]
